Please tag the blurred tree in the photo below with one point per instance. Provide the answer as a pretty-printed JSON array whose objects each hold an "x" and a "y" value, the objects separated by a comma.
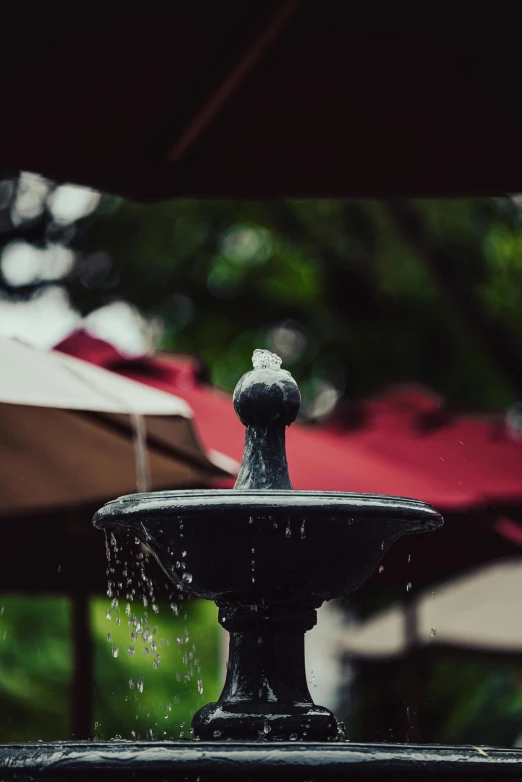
[
  {"x": 353, "y": 295},
  {"x": 35, "y": 668},
  {"x": 336, "y": 288},
  {"x": 152, "y": 688},
  {"x": 136, "y": 695}
]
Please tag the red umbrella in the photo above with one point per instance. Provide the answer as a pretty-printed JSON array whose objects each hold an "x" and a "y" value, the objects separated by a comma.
[
  {"x": 317, "y": 459},
  {"x": 474, "y": 454},
  {"x": 331, "y": 460}
]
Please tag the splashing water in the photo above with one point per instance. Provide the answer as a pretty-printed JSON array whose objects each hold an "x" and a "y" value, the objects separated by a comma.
[{"x": 140, "y": 606}]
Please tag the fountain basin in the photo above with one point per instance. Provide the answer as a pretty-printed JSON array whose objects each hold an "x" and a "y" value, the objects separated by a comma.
[
  {"x": 296, "y": 761},
  {"x": 274, "y": 547}
]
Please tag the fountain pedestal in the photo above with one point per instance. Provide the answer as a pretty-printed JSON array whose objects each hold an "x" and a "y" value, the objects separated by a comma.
[
  {"x": 268, "y": 556},
  {"x": 266, "y": 689}
]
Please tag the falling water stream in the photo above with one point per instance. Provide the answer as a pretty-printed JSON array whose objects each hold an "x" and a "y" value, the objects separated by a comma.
[{"x": 133, "y": 603}]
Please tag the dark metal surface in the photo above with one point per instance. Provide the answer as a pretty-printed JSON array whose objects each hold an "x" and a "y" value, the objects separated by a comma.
[
  {"x": 337, "y": 539},
  {"x": 268, "y": 556},
  {"x": 257, "y": 760},
  {"x": 266, "y": 401}
]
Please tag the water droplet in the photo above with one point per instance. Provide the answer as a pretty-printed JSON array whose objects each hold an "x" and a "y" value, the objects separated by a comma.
[
  {"x": 115, "y": 651},
  {"x": 409, "y": 557},
  {"x": 130, "y": 651},
  {"x": 303, "y": 529},
  {"x": 140, "y": 684},
  {"x": 381, "y": 569},
  {"x": 183, "y": 553},
  {"x": 108, "y": 615},
  {"x": 288, "y": 530},
  {"x": 433, "y": 632},
  {"x": 187, "y": 578},
  {"x": 131, "y": 684},
  {"x": 217, "y": 734},
  {"x": 382, "y": 545},
  {"x": 250, "y": 521},
  {"x": 200, "y": 686},
  {"x": 109, "y": 637},
  {"x": 293, "y": 737},
  {"x": 114, "y": 603},
  {"x": 155, "y": 608},
  {"x": 408, "y": 586}
]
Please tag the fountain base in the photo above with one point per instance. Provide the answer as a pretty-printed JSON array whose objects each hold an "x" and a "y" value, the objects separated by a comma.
[
  {"x": 271, "y": 721},
  {"x": 265, "y": 693}
]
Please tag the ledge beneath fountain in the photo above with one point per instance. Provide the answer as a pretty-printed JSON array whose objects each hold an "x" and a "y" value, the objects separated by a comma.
[{"x": 199, "y": 761}]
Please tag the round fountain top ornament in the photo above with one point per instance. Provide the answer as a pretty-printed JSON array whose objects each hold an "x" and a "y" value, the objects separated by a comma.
[
  {"x": 267, "y": 395},
  {"x": 264, "y": 359}
]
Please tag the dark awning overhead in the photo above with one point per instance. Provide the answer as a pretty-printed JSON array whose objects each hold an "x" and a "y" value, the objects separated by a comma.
[{"x": 262, "y": 99}]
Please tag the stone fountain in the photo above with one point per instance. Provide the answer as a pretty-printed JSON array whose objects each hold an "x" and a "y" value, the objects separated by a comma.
[{"x": 268, "y": 556}]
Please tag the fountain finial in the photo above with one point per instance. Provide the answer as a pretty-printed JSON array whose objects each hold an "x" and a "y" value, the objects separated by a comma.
[
  {"x": 266, "y": 401},
  {"x": 264, "y": 359}
]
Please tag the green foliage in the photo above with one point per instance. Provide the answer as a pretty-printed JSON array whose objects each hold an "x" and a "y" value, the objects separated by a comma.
[
  {"x": 223, "y": 276},
  {"x": 187, "y": 677},
  {"x": 474, "y": 701},
  {"x": 36, "y": 668}
]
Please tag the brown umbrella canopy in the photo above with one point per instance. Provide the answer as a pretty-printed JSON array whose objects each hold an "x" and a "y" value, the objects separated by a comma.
[
  {"x": 265, "y": 98},
  {"x": 69, "y": 435}
]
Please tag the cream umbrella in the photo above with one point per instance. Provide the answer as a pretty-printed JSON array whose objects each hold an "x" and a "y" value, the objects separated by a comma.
[
  {"x": 72, "y": 433},
  {"x": 479, "y": 611}
]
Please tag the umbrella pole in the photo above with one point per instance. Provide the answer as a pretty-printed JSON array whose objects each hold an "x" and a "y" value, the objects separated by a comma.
[
  {"x": 82, "y": 683},
  {"x": 411, "y": 673}
]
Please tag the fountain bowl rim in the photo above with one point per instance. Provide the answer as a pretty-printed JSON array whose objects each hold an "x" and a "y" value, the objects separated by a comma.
[{"x": 272, "y": 503}]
